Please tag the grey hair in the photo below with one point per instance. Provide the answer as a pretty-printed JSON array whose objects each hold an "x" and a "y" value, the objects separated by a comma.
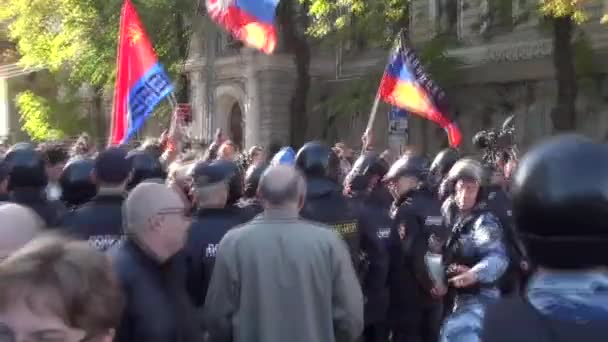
[
  {"x": 210, "y": 194},
  {"x": 289, "y": 192}
]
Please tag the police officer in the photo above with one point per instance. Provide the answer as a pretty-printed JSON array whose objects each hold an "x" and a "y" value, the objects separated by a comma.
[
  {"x": 212, "y": 219},
  {"x": 441, "y": 165},
  {"x": 499, "y": 204},
  {"x": 475, "y": 255},
  {"x": 77, "y": 187},
  {"x": 559, "y": 199},
  {"x": 100, "y": 220},
  {"x": 249, "y": 205},
  {"x": 416, "y": 213},
  {"x": 375, "y": 222},
  {"x": 145, "y": 166},
  {"x": 28, "y": 181},
  {"x": 325, "y": 202}
]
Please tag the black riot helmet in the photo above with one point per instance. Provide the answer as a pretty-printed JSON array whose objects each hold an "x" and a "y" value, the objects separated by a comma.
[
  {"x": 27, "y": 167},
  {"x": 252, "y": 179},
  {"x": 464, "y": 169},
  {"x": 365, "y": 168},
  {"x": 145, "y": 166},
  {"x": 316, "y": 159},
  {"x": 443, "y": 162},
  {"x": 410, "y": 165},
  {"x": 76, "y": 184},
  {"x": 560, "y": 203}
]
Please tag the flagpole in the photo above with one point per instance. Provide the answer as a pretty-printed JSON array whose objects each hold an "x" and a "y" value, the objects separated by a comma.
[{"x": 372, "y": 114}]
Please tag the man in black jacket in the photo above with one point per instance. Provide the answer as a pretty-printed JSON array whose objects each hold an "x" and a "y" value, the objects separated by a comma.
[
  {"x": 212, "y": 220},
  {"x": 414, "y": 314},
  {"x": 27, "y": 183},
  {"x": 100, "y": 220},
  {"x": 151, "y": 270}
]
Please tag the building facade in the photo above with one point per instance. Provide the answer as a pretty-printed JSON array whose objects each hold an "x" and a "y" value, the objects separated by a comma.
[{"x": 506, "y": 68}]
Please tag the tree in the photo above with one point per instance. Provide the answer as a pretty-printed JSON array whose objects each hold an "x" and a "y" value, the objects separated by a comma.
[
  {"x": 561, "y": 18},
  {"x": 78, "y": 38},
  {"x": 293, "y": 22}
]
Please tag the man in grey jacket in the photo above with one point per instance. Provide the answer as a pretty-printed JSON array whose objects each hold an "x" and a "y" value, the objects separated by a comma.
[{"x": 280, "y": 278}]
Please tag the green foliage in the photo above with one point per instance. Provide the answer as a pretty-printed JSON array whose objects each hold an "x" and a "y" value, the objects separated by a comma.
[
  {"x": 584, "y": 57},
  {"x": 370, "y": 21},
  {"x": 358, "y": 95},
  {"x": 47, "y": 120},
  {"x": 82, "y": 35},
  {"x": 564, "y": 8},
  {"x": 78, "y": 38}
]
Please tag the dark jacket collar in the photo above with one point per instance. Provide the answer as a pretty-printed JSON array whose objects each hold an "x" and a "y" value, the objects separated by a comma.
[{"x": 28, "y": 195}]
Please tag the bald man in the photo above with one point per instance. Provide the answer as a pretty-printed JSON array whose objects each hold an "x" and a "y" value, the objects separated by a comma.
[
  {"x": 19, "y": 226},
  {"x": 151, "y": 274},
  {"x": 279, "y": 268}
]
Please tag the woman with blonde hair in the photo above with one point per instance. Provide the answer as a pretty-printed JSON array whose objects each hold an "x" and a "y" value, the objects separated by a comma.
[{"x": 55, "y": 289}]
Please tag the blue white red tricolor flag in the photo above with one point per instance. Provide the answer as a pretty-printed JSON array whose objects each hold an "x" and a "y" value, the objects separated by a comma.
[
  {"x": 141, "y": 81},
  {"x": 406, "y": 85},
  {"x": 251, "y": 21}
]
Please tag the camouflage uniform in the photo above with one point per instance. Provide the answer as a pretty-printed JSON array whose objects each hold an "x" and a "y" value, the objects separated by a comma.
[{"x": 485, "y": 240}]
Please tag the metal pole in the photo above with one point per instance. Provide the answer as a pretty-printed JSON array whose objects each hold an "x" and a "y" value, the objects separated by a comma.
[{"x": 210, "y": 56}]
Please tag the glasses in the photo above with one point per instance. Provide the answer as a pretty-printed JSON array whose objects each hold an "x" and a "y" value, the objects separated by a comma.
[{"x": 186, "y": 212}]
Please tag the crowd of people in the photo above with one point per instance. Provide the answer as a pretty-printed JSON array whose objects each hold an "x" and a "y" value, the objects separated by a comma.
[{"x": 171, "y": 242}]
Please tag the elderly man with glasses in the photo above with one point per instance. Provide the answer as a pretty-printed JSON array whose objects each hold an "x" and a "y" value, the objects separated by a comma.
[{"x": 150, "y": 267}]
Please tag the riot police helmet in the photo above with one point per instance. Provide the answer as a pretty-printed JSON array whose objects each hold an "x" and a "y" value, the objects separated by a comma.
[
  {"x": 76, "y": 183},
  {"x": 316, "y": 159},
  {"x": 27, "y": 167},
  {"x": 365, "y": 168},
  {"x": 443, "y": 162},
  {"x": 144, "y": 166},
  {"x": 560, "y": 203},
  {"x": 252, "y": 179},
  {"x": 410, "y": 165}
]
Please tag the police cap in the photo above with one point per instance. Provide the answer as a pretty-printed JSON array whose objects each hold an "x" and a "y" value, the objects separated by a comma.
[
  {"x": 560, "y": 202},
  {"x": 26, "y": 167},
  {"x": 316, "y": 159},
  {"x": 208, "y": 173},
  {"x": 75, "y": 180},
  {"x": 145, "y": 166},
  {"x": 410, "y": 165}
]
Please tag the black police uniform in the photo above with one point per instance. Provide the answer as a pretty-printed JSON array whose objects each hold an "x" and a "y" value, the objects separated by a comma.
[
  {"x": 325, "y": 202},
  {"x": 375, "y": 223},
  {"x": 558, "y": 202},
  {"x": 414, "y": 315},
  {"x": 27, "y": 184},
  {"x": 418, "y": 215},
  {"x": 77, "y": 187},
  {"x": 158, "y": 307},
  {"x": 98, "y": 221},
  {"x": 208, "y": 227}
]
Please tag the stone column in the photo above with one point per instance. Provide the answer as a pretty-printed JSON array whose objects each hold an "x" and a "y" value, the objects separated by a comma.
[
  {"x": 251, "y": 106},
  {"x": 197, "y": 91}
]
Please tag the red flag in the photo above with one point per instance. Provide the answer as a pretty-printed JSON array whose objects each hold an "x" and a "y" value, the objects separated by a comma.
[{"x": 141, "y": 82}]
